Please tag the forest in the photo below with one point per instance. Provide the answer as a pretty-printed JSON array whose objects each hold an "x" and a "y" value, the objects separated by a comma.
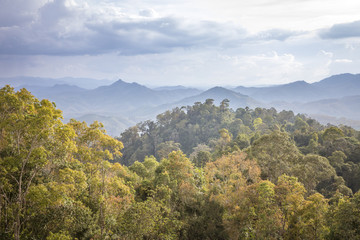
[{"x": 196, "y": 172}]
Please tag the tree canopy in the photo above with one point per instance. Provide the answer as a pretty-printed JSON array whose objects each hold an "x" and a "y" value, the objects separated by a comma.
[{"x": 197, "y": 172}]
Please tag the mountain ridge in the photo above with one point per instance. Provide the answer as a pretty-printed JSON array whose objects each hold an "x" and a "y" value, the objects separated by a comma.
[{"x": 125, "y": 103}]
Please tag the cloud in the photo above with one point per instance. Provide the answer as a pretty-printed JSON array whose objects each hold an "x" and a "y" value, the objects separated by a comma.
[
  {"x": 343, "y": 30},
  {"x": 327, "y": 54},
  {"x": 343, "y": 61},
  {"x": 17, "y": 13},
  {"x": 58, "y": 30},
  {"x": 148, "y": 13},
  {"x": 65, "y": 27},
  {"x": 52, "y": 12},
  {"x": 276, "y": 34}
]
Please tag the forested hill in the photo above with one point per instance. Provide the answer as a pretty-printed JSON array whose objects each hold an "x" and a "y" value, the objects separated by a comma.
[
  {"x": 197, "y": 172},
  {"x": 281, "y": 142}
]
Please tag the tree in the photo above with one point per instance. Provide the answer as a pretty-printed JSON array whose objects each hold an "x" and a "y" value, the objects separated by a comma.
[
  {"x": 149, "y": 220},
  {"x": 32, "y": 135},
  {"x": 344, "y": 218},
  {"x": 312, "y": 170},
  {"x": 95, "y": 149},
  {"x": 227, "y": 179},
  {"x": 276, "y": 154},
  {"x": 290, "y": 197},
  {"x": 164, "y": 148},
  {"x": 314, "y": 217}
]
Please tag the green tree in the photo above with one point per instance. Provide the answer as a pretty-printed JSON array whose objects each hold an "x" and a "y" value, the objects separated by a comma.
[
  {"x": 32, "y": 135},
  {"x": 314, "y": 217},
  {"x": 344, "y": 218},
  {"x": 95, "y": 149},
  {"x": 276, "y": 154}
]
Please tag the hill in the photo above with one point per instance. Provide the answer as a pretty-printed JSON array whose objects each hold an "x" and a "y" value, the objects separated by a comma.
[{"x": 336, "y": 86}]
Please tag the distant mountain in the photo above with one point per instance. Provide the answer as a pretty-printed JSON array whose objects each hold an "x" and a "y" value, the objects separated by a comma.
[
  {"x": 124, "y": 96},
  {"x": 347, "y": 107},
  {"x": 218, "y": 94},
  {"x": 118, "y": 105},
  {"x": 334, "y": 87},
  {"x": 178, "y": 87},
  {"x": 121, "y": 104},
  {"x": 340, "y": 85},
  {"x": 56, "y": 90},
  {"x": 113, "y": 125}
]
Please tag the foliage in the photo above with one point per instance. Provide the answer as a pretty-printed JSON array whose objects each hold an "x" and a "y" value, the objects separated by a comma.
[{"x": 250, "y": 174}]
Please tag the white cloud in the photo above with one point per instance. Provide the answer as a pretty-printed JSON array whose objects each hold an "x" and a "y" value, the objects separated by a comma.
[
  {"x": 327, "y": 54},
  {"x": 343, "y": 61}
]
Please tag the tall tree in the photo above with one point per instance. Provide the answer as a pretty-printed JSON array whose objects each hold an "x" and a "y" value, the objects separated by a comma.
[{"x": 31, "y": 133}]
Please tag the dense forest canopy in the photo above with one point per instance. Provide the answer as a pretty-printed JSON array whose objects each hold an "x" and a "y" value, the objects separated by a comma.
[{"x": 197, "y": 172}]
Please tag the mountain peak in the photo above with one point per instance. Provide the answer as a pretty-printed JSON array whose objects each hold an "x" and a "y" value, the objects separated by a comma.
[
  {"x": 119, "y": 83},
  {"x": 300, "y": 82},
  {"x": 218, "y": 89}
]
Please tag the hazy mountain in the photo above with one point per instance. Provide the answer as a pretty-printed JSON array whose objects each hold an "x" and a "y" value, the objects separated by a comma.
[
  {"x": 340, "y": 85},
  {"x": 113, "y": 125},
  {"x": 57, "y": 90},
  {"x": 336, "y": 86},
  {"x": 178, "y": 87},
  {"x": 123, "y": 96},
  {"x": 121, "y": 104},
  {"x": 218, "y": 94},
  {"x": 118, "y": 105},
  {"x": 325, "y": 119},
  {"x": 347, "y": 107}
]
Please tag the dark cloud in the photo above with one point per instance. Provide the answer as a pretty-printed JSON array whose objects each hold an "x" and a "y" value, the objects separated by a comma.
[
  {"x": 58, "y": 31},
  {"x": 156, "y": 35},
  {"x": 60, "y": 28},
  {"x": 344, "y": 30},
  {"x": 15, "y": 13}
]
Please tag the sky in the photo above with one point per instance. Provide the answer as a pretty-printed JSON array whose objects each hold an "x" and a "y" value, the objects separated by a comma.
[{"x": 198, "y": 43}]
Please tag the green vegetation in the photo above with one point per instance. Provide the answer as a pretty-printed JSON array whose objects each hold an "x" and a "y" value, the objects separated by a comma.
[{"x": 197, "y": 172}]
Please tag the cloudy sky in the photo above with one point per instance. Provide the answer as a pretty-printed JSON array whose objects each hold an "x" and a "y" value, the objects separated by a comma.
[{"x": 188, "y": 42}]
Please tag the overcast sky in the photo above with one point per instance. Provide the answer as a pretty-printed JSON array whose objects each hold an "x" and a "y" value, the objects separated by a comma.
[{"x": 188, "y": 42}]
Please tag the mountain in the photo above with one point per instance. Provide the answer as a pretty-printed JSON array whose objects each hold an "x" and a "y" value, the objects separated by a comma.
[
  {"x": 114, "y": 125},
  {"x": 56, "y": 90},
  {"x": 341, "y": 85},
  {"x": 333, "y": 87},
  {"x": 121, "y": 104},
  {"x": 347, "y": 107},
  {"x": 124, "y": 96},
  {"x": 218, "y": 94},
  {"x": 178, "y": 87},
  {"x": 118, "y": 105}
]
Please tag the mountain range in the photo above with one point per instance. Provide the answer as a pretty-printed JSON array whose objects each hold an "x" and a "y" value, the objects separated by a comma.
[
  {"x": 336, "y": 86},
  {"x": 121, "y": 104}
]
